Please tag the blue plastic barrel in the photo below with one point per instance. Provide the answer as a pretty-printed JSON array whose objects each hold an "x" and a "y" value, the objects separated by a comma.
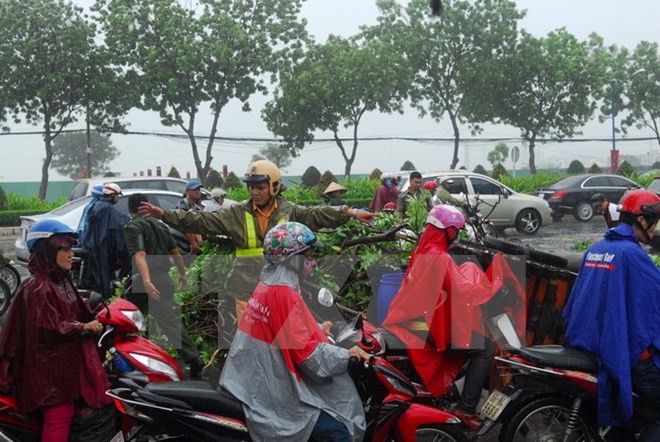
[{"x": 389, "y": 285}]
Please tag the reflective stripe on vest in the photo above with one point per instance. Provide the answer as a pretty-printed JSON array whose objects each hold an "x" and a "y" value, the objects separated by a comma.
[{"x": 251, "y": 238}]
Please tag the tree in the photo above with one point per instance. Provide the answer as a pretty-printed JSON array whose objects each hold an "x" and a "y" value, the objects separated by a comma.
[
  {"x": 544, "y": 87},
  {"x": 595, "y": 169},
  {"x": 499, "y": 154},
  {"x": 639, "y": 81},
  {"x": 480, "y": 169},
  {"x": 499, "y": 171},
  {"x": 3, "y": 199},
  {"x": 375, "y": 174},
  {"x": 449, "y": 55},
  {"x": 69, "y": 161},
  {"x": 656, "y": 165},
  {"x": 280, "y": 155},
  {"x": 311, "y": 177},
  {"x": 173, "y": 173},
  {"x": 332, "y": 89},
  {"x": 232, "y": 181},
  {"x": 213, "y": 179},
  {"x": 46, "y": 46},
  {"x": 575, "y": 168},
  {"x": 626, "y": 169},
  {"x": 408, "y": 166},
  {"x": 180, "y": 59}
]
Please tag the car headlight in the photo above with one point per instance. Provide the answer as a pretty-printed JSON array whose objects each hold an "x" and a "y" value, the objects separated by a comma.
[
  {"x": 156, "y": 365},
  {"x": 136, "y": 316}
]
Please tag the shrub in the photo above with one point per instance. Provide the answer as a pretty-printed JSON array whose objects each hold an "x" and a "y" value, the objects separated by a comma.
[
  {"x": 499, "y": 171},
  {"x": 595, "y": 169},
  {"x": 408, "y": 165},
  {"x": 325, "y": 181},
  {"x": 480, "y": 169},
  {"x": 575, "y": 168},
  {"x": 3, "y": 199},
  {"x": 311, "y": 177},
  {"x": 656, "y": 165},
  {"x": 375, "y": 174},
  {"x": 213, "y": 179},
  {"x": 626, "y": 169},
  {"x": 173, "y": 173},
  {"x": 232, "y": 182}
]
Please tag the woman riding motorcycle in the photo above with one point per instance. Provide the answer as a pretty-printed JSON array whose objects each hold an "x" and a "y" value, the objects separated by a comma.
[{"x": 293, "y": 384}]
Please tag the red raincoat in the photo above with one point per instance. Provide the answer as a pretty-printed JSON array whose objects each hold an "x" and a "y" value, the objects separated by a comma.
[
  {"x": 438, "y": 308},
  {"x": 41, "y": 349}
]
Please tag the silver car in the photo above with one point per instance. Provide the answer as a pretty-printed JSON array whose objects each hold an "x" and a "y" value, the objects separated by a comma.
[
  {"x": 71, "y": 212},
  {"x": 527, "y": 213}
]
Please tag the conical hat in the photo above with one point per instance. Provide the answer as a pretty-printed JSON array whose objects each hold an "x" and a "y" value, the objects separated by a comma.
[{"x": 333, "y": 187}]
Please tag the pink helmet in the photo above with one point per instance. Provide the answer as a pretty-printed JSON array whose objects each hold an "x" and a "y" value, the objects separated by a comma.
[{"x": 443, "y": 216}]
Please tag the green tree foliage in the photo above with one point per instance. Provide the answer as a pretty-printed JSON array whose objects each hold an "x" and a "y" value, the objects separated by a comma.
[
  {"x": 213, "y": 179},
  {"x": 375, "y": 174},
  {"x": 480, "y": 169},
  {"x": 626, "y": 169},
  {"x": 173, "y": 173},
  {"x": 449, "y": 55},
  {"x": 408, "y": 166},
  {"x": 325, "y": 181},
  {"x": 595, "y": 169},
  {"x": 183, "y": 61},
  {"x": 333, "y": 87},
  {"x": 499, "y": 154},
  {"x": 3, "y": 199},
  {"x": 280, "y": 155},
  {"x": 575, "y": 168},
  {"x": 499, "y": 171},
  {"x": 232, "y": 181},
  {"x": 46, "y": 46},
  {"x": 543, "y": 86},
  {"x": 69, "y": 158},
  {"x": 311, "y": 177}
]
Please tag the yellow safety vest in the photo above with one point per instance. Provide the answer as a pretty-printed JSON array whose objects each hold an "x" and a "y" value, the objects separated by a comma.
[{"x": 251, "y": 238}]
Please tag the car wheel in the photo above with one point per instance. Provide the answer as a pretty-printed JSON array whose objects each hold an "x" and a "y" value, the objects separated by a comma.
[
  {"x": 528, "y": 222},
  {"x": 584, "y": 211}
]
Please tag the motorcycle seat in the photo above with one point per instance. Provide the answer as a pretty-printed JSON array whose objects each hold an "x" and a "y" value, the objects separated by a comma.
[
  {"x": 201, "y": 396},
  {"x": 557, "y": 356}
]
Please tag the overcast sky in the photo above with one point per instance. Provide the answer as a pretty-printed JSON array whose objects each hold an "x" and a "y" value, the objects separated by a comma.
[{"x": 621, "y": 23}]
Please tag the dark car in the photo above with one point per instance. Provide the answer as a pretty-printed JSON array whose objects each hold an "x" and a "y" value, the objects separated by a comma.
[{"x": 573, "y": 194}]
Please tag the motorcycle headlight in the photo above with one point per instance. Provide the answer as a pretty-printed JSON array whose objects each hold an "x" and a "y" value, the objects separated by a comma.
[
  {"x": 136, "y": 316},
  {"x": 156, "y": 365},
  {"x": 403, "y": 388}
]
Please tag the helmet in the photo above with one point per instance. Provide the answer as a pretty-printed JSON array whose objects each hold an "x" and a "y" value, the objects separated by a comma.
[
  {"x": 443, "y": 216},
  {"x": 334, "y": 187},
  {"x": 111, "y": 189},
  {"x": 46, "y": 229},
  {"x": 430, "y": 185},
  {"x": 389, "y": 206},
  {"x": 289, "y": 238},
  {"x": 264, "y": 170},
  {"x": 218, "y": 193},
  {"x": 193, "y": 185},
  {"x": 97, "y": 190},
  {"x": 443, "y": 181},
  {"x": 640, "y": 202}
]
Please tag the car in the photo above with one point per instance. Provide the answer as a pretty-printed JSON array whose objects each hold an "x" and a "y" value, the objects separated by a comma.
[
  {"x": 527, "y": 213},
  {"x": 572, "y": 195},
  {"x": 71, "y": 212},
  {"x": 84, "y": 187},
  {"x": 654, "y": 185}
]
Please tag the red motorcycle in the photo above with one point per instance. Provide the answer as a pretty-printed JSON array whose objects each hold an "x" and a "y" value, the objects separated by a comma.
[
  {"x": 195, "y": 410},
  {"x": 552, "y": 396},
  {"x": 128, "y": 355}
]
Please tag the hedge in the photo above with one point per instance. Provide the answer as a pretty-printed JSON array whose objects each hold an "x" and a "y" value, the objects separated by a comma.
[{"x": 12, "y": 218}]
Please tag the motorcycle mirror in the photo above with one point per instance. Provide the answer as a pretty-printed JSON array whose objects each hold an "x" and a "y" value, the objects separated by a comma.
[
  {"x": 95, "y": 299},
  {"x": 325, "y": 297}
]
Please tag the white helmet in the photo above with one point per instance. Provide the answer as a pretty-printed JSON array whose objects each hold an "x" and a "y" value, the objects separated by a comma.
[{"x": 111, "y": 189}]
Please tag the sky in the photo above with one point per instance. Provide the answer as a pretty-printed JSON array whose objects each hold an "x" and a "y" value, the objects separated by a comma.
[{"x": 618, "y": 22}]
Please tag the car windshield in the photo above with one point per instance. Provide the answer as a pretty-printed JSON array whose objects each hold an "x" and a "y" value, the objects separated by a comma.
[
  {"x": 68, "y": 207},
  {"x": 569, "y": 181}
]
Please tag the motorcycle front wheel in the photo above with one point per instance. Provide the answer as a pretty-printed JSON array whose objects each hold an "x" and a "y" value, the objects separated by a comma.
[
  {"x": 11, "y": 276},
  {"x": 545, "y": 420},
  {"x": 5, "y": 297},
  {"x": 439, "y": 433}
]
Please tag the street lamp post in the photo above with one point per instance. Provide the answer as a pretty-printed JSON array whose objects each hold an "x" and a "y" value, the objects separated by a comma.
[{"x": 614, "y": 156}]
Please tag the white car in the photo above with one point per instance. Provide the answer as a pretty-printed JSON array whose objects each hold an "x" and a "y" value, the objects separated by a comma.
[
  {"x": 527, "y": 213},
  {"x": 71, "y": 212},
  {"x": 84, "y": 186}
]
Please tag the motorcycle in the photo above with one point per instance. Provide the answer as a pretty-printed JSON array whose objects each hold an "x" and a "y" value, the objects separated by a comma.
[
  {"x": 194, "y": 410},
  {"x": 478, "y": 225},
  {"x": 128, "y": 355},
  {"x": 10, "y": 279},
  {"x": 553, "y": 397}
]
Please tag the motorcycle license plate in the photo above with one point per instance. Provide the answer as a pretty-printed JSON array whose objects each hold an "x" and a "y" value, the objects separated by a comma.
[
  {"x": 494, "y": 405},
  {"x": 119, "y": 437}
]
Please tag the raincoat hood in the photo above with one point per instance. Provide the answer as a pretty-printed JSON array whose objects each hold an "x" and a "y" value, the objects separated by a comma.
[{"x": 42, "y": 261}]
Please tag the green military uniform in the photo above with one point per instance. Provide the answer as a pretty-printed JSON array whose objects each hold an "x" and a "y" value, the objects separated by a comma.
[
  {"x": 239, "y": 222},
  {"x": 152, "y": 237},
  {"x": 445, "y": 197},
  {"x": 404, "y": 199}
]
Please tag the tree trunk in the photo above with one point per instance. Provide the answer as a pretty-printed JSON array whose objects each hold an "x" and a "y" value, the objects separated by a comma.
[
  {"x": 457, "y": 140},
  {"x": 532, "y": 164},
  {"x": 43, "y": 187}
]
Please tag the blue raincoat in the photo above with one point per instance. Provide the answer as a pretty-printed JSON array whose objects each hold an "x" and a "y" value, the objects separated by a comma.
[{"x": 614, "y": 313}]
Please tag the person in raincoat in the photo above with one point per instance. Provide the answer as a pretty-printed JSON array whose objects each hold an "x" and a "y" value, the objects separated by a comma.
[
  {"x": 44, "y": 354},
  {"x": 614, "y": 311},
  {"x": 104, "y": 239},
  {"x": 292, "y": 382},
  {"x": 82, "y": 224},
  {"x": 438, "y": 313}
]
